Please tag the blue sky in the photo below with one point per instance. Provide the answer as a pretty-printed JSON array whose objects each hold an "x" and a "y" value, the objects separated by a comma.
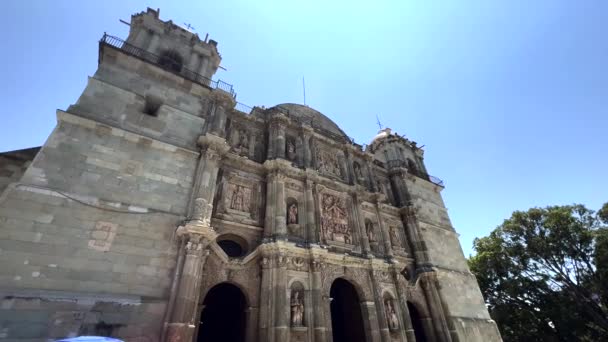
[{"x": 509, "y": 97}]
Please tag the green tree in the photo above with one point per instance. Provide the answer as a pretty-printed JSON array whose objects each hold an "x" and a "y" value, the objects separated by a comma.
[{"x": 544, "y": 274}]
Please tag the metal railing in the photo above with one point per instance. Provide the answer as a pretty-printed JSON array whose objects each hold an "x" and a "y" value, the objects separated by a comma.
[
  {"x": 164, "y": 63},
  {"x": 241, "y": 107},
  {"x": 396, "y": 163}
]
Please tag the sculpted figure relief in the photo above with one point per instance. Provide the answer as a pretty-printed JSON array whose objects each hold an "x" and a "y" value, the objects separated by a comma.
[
  {"x": 395, "y": 240},
  {"x": 297, "y": 309},
  {"x": 292, "y": 215},
  {"x": 334, "y": 223},
  {"x": 240, "y": 141},
  {"x": 240, "y": 198},
  {"x": 290, "y": 149},
  {"x": 391, "y": 316},
  {"x": 369, "y": 230},
  {"x": 327, "y": 163}
]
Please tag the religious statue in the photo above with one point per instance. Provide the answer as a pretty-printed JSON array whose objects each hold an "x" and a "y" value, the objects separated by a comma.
[
  {"x": 240, "y": 199},
  {"x": 334, "y": 223},
  {"x": 358, "y": 173},
  {"x": 297, "y": 309},
  {"x": 292, "y": 215},
  {"x": 395, "y": 241},
  {"x": 391, "y": 316},
  {"x": 369, "y": 230},
  {"x": 291, "y": 149},
  {"x": 241, "y": 141}
]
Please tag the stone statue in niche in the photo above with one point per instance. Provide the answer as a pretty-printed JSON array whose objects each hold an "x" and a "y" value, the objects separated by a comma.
[
  {"x": 241, "y": 142},
  {"x": 290, "y": 149},
  {"x": 358, "y": 172},
  {"x": 334, "y": 223},
  {"x": 297, "y": 309},
  {"x": 369, "y": 230},
  {"x": 391, "y": 315},
  {"x": 240, "y": 198},
  {"x": 395, "y": 240},
  {"x": 292, "y": 214}
]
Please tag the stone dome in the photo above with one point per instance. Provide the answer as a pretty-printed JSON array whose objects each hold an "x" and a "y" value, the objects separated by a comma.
[{"x": 312, "y": 117}]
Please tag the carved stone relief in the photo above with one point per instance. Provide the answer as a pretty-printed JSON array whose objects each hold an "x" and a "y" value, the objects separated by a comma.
[
  {"x": 290, "y": 149},
  {"x": 395, "y": 238},
  {"x": 297, "y": 308},
  {"x": 292, "y": 214},
  {"x": 334, "y": 220},
  {"x": 327, "y": 163},
  {"x": 239, "y": 198},
  {"x": 369, "y": 230},
  {"x": 391, "y": 315},
  {"x": 239, "y": 141}
]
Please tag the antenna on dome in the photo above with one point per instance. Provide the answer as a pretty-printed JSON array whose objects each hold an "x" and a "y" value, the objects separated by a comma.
[
  {"x": 304, "y": 90},
  {"x": 378, "y": 122}
]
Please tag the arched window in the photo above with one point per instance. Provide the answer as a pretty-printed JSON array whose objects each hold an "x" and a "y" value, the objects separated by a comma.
[
  {"x": 411, "y": 167},
  {"x": 234, "y": 246},
  {"x": 171, "y": 60}
]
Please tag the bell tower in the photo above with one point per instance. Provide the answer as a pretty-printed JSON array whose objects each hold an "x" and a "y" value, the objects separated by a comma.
[{"x": 174, "y": 47}]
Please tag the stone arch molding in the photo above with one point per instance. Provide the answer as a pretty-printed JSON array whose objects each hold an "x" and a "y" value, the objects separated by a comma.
[{"x": 359, "y": 282}]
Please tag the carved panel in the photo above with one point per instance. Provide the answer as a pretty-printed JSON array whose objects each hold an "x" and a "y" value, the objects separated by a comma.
[
  {"x": 334, "y": 219},
  {"x": 327, "y": 163}
]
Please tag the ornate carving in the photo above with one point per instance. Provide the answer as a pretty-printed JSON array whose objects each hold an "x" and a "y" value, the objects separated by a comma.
[
  {"x": 391, "y": 315},
  {"x": 369, "y": 230},
  {"x": 395, "y": 239},
  {"x": 202, "y": 211},
  {"x": 327, "y": 163},
  {"x": 411, "y": 212},
  {"x": 297, "y": 308},
  {"x": 240, "y": 141},
  {"x": 334, "y": 222},
  {"x": 290, "y": 149},
  {"x": 240, "y": 198},
  {"x": 292, "y": 214}
]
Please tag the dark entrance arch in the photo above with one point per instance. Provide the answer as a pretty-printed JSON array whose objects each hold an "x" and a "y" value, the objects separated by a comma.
[
  {"x": 223, "y": 316},
  {"x": 346, "y": 317},
  {"x": 416, "y": 323}
]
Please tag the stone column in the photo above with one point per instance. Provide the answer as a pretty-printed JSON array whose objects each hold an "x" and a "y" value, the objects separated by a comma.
[
  {"x": 204, "y": 63},
  {"x": 266, "y": 300},
  {"x": 320, "y": 304},
  {"x": 388, "y": 247},
  {"x": 153, "y": 45},
  {"x": 183, "y": 318},
  {"x": 281, "y": 210},
  {"x": 428, "y": 281},
  {"x": 282, "y": 309},
  {"x": 418, "y": 247},
  {"x": 360, "y": 222},
  {"x": 280, "y": 141},
  {"x": 406, "y": 321},
  {"x": 371, "y": 324},
  {"x": 251, "y": 316},
  {"x": 370, "y": 172},
  {"x": 194, "y": 60},
  {"x": 311, "y": 227},
  {"x": 306, "y": 135},
  {"x": 385, "y": 334},
  {"x": 351, "y": 178},
  {"x": 269, "y": 218},
  {"x": 223, "y": 103}
]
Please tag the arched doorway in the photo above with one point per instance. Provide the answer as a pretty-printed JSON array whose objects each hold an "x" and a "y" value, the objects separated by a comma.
[
  {"x": 346, "y": 317},
  {"x": 416, "y": 323},
  {"x": 223, "y": 316}
]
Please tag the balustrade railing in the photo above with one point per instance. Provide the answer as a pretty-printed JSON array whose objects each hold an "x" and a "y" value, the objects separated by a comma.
[{"x": 164, "y": 63}]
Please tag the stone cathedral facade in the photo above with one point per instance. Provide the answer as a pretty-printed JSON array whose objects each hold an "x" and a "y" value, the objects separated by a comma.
[{"x": 160, "y": 209}]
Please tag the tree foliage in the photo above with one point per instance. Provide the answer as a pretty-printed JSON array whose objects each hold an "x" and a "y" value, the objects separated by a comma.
[{"x": 544, "y": 274}]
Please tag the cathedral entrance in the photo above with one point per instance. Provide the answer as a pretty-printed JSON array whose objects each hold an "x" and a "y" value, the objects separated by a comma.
[
  {"x": 223, "y": 316},
  {"x": 346, "y": 317},
  {"x": 416, "y": 323}
]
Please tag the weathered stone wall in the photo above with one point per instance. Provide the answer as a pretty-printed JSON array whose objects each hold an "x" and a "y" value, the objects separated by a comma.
[{"x": 13, "y": 164}]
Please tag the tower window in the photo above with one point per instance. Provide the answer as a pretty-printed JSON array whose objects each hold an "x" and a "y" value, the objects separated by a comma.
[
  {"x": 152, "y": 105},
  {"x": 171, "y": 60}
]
